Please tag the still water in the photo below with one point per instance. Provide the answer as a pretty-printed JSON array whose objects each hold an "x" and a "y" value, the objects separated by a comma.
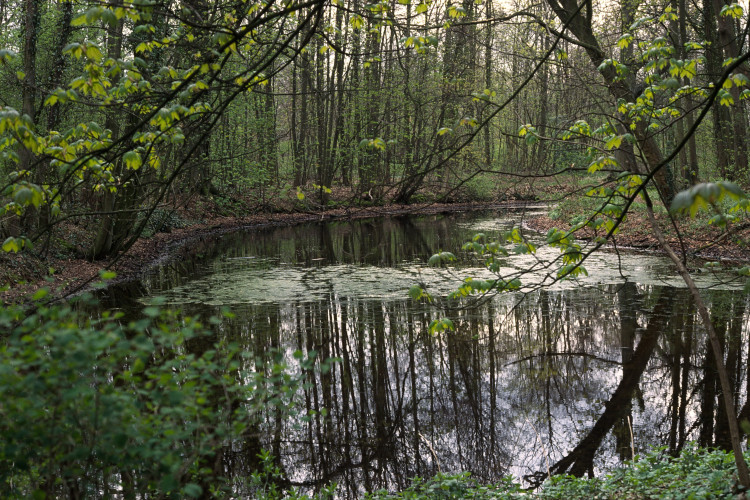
[{"x": 571, "y": 377}]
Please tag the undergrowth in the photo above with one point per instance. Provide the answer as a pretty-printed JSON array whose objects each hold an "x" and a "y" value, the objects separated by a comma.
[{"x": 695, "y": 474}]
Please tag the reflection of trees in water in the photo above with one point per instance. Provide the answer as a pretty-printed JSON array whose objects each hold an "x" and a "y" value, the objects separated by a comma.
[
  {"x": 575, "y": 370},
  {"x": 569, "y": 370}
]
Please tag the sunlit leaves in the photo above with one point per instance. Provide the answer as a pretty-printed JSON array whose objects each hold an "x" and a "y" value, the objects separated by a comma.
[
  {"x": 625, "y": 40},
  {"x": 579, "y": 128},
  {"x": 485, "y": 95},
  {"x": 668, "y": 15},
  {"x": 420, "y": 43},
  {"x": 683, "y": 69},
  {"x": 621, "y": 69},
  {"x": 370, "y": 61},
  {"x": 474, "y": 286},
  {"x": 376, "y": 144},
  {"x": 441, "y": 259},
  {"x": 456, "y": 11},
  {"x": 416, "y": 292},
  {"x": 733, "y": 10},
  {"x": 7, "y": 56},
  {"x": 725, "y": 98},
  {"x": 529, "y": 133},
  {"x": 558, "y": 238},
  {"x": 737, "y": 79},
  {"x": 12, "y": 244},
  {"x": 640, "y": 22},
  {"x": 613, "y": 142},
  {"x": 132, "y": 160},
  {"x": 705, "y": 195},
  {"x": 570, "y": 271},
  {"x": 440, "y": 325},
  {"x": 25, "y": 194}
]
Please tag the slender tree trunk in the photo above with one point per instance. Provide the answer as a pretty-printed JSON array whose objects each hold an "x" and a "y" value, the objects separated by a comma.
[
  {"x": 726, "y": 386},
  {"x": 691, "y": 172},
  {"x": 488, "y": 81},
  {"x": 720, "y": 113},
  {"x": 728, "y": 40}
]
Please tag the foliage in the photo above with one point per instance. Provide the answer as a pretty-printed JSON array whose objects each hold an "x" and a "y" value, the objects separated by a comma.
[
  {"x": 264, "y": 483},
  {"x": 162, "y": 221},
  {"x": 696, "y": 473},
  {"x": 98, "y": 405},
  {"x": 447, "y": 486}
]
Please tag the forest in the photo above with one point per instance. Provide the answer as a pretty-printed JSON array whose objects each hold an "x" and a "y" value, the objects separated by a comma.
[
  {"x": 112, "y": 112},
  {"x": 123, "y": 120}
]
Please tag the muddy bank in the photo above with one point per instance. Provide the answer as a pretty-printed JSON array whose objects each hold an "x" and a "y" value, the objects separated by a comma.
[
  {"x": 698, "y": 241},
  {"x": 70, "y": 276}
]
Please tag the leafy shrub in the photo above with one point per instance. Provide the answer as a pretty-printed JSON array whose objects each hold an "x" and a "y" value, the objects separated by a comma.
[
  {"x": 695, "y": 474},
  {"x": 94, "y": 407},
  {"x": 445, "y": 486},
  {"x": 163, "y": 221}
]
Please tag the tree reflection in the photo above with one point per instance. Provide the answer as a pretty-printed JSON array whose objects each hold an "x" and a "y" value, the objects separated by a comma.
[{"x": 578, "y": 378}]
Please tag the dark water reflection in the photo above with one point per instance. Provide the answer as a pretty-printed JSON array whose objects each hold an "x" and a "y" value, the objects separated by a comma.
[{"x": 557, "y": 379}]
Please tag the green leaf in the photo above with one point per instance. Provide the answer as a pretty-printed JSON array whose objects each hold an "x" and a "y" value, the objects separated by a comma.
[
  {"x": 132, "y": 160},
  {"x": 23, "y": 196},
  {"x": 440, "y": 325},
  {"x": 732, "y": 10},
  {"x": 93, "y": 52},
  {"x": 624, "y": 40},
  {"x": 11, "y": 244},
  {"x": 705, "y": 194},
  {"x": 107, "y": 275},
  {"x": 725, "y": 98},
  {"x": 613, "y": 142},
  {"x": 441, "y": 258},
  {"x": 79, "y": 21},
  {"x": 192, "y": 490},
  {"x": 7, "y": 55}
]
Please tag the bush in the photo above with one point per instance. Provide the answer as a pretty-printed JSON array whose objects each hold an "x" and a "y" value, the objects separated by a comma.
[
  {"x": 94, "y": 407},
  {"x": 695, "y": 474},
  {"x": 162, "y": 221}
]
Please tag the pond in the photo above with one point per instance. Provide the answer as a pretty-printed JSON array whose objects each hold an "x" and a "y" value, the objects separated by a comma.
[{"x": 575, "y": 376}]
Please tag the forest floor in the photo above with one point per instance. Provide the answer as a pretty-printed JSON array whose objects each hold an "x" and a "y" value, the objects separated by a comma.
[{"x": 65, "y": 271}]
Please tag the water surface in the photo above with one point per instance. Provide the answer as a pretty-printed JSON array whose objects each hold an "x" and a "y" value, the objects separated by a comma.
[{"x": 558, "y": 377}]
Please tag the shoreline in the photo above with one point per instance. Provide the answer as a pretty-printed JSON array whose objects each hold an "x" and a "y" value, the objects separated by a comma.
[{"x": 79, "y": 275}]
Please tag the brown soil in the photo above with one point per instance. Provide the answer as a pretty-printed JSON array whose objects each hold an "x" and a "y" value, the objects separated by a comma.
[
  {"x": 697, "y": 241},
  {"x": 66, "y": 276}
]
